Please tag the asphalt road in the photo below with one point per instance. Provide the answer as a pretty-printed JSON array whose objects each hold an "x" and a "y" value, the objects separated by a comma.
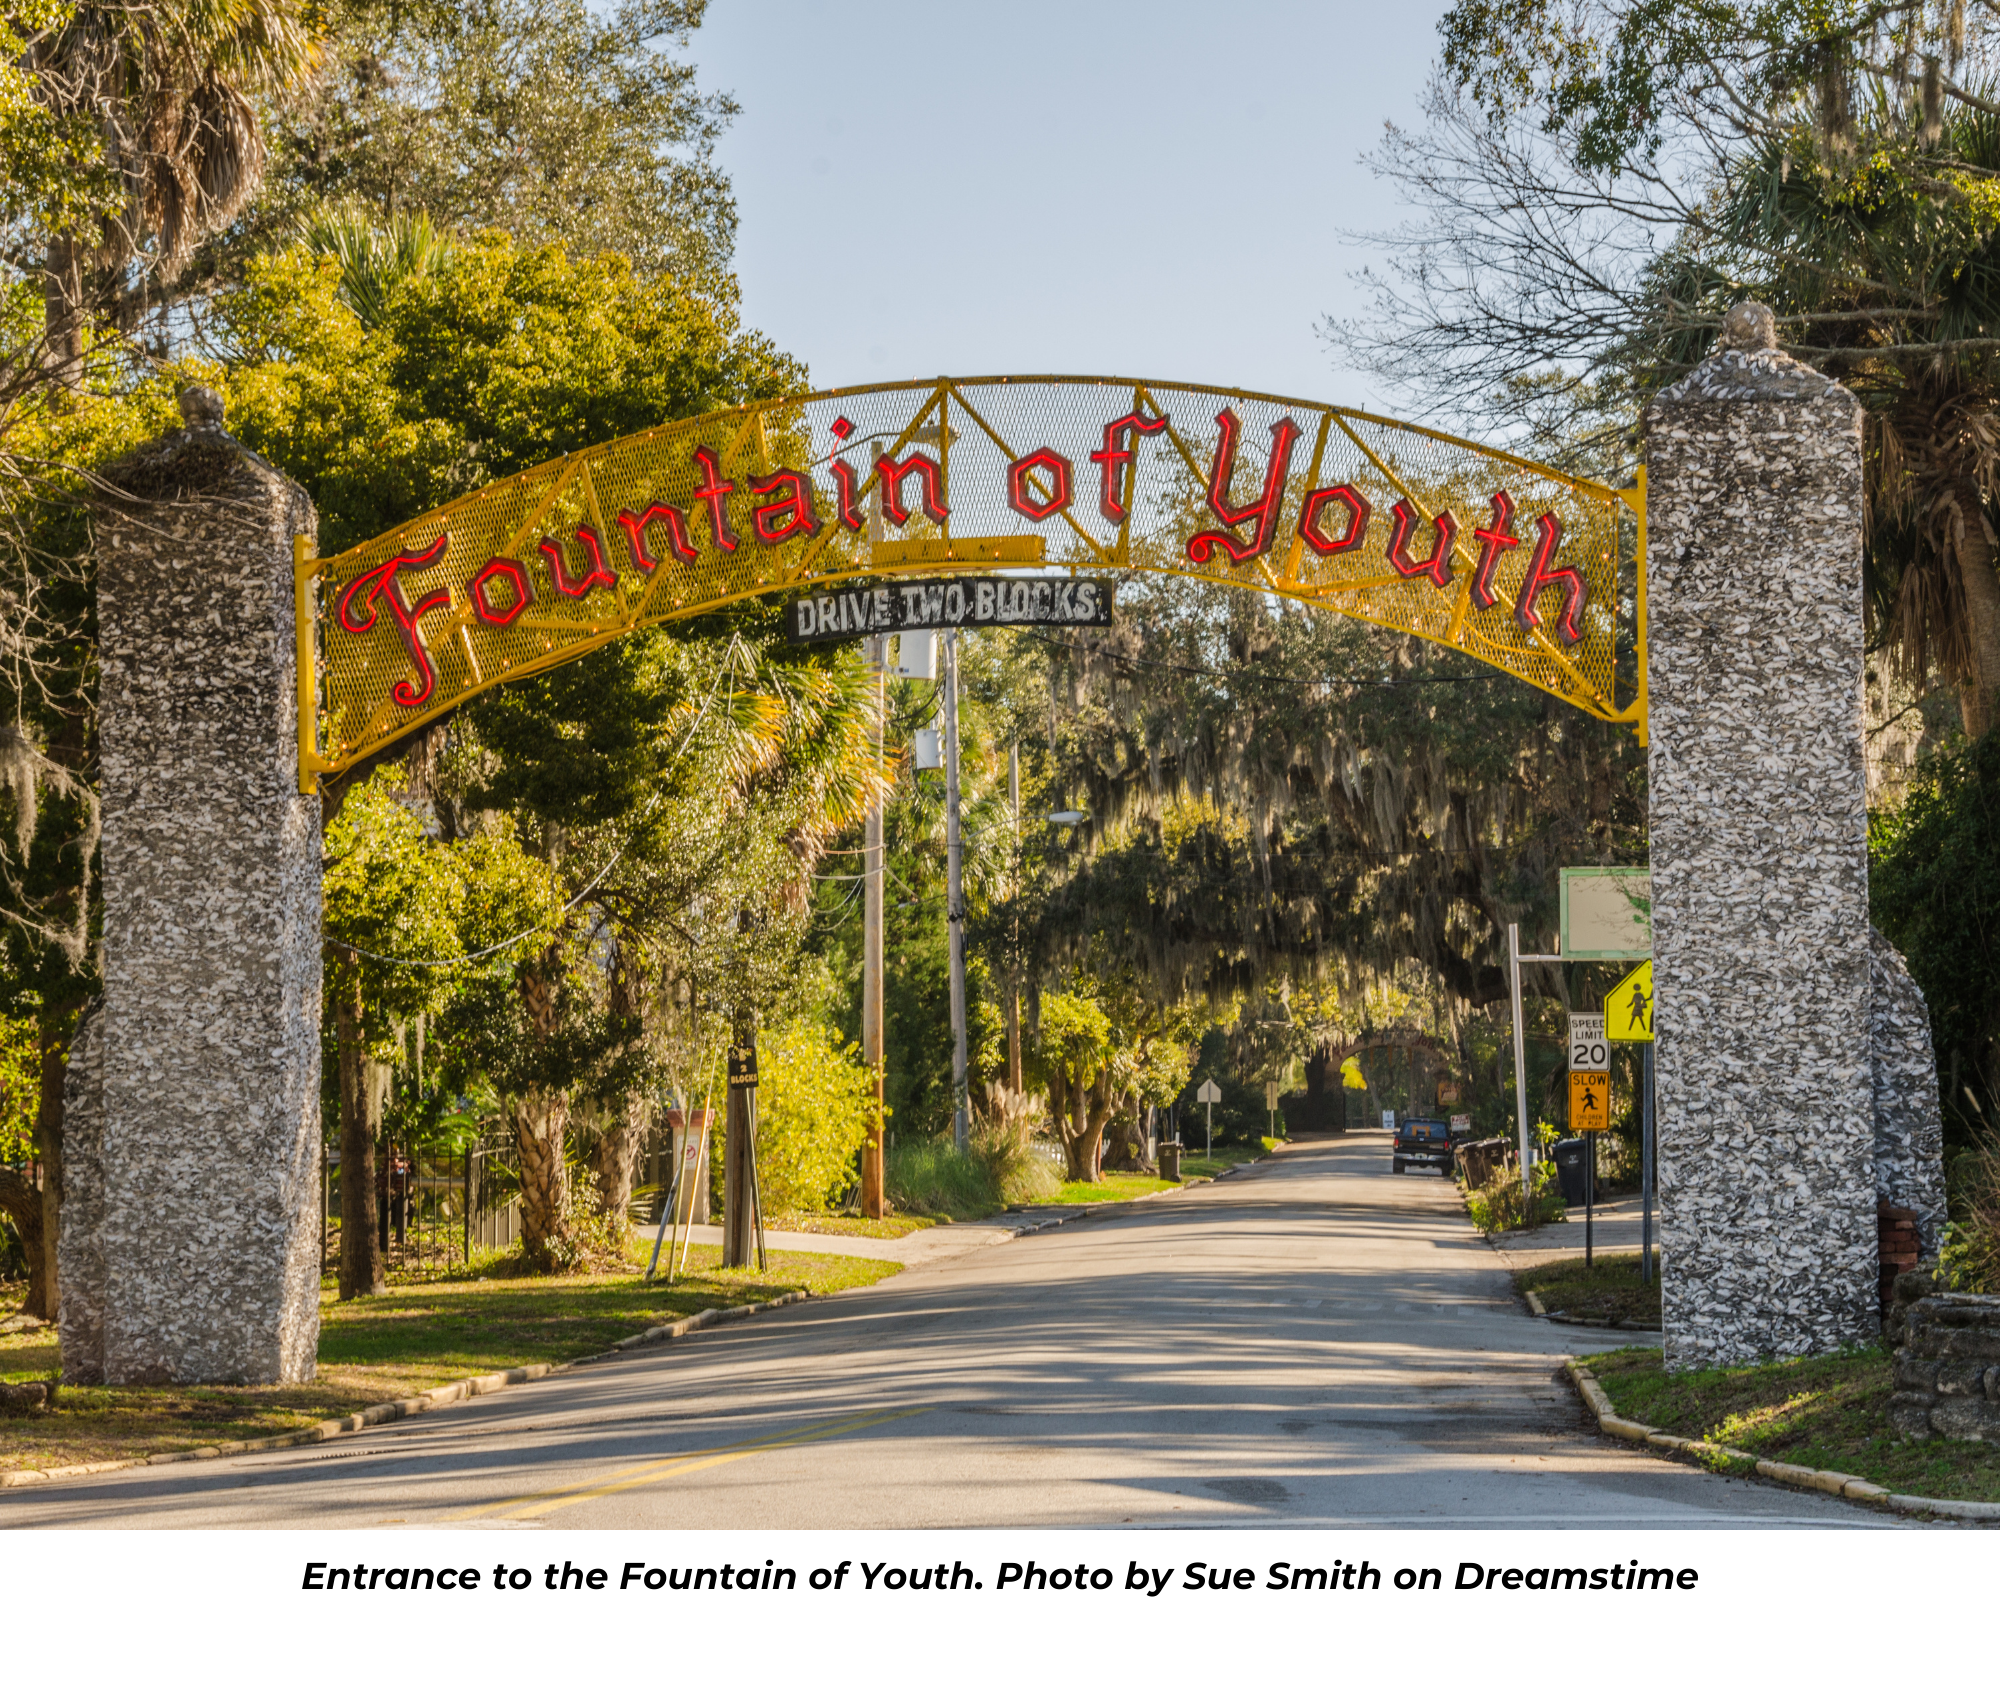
[{"x": 1313, "y": 1341}]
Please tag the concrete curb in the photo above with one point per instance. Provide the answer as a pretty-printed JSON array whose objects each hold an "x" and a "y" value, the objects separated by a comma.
[
  {"x": 451, "y": 1393},
  {"x": 1855, "y": 1488}
]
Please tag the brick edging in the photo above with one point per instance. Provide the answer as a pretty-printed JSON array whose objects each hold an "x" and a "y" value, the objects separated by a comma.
[
  {"x": 451, "y": 1393},
  {"x": 1856, "y": 1488}
]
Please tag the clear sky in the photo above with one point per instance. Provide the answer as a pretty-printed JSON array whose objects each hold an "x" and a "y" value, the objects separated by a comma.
[{"x": 1156, "y": 188}]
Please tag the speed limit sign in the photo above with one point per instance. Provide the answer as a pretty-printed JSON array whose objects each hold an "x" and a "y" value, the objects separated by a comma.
[{"x": 1588, "y": 1053}]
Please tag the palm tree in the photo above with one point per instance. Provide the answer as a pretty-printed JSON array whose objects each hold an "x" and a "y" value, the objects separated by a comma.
[
  {"x": 374, "y": 259},
  {"x": 163, "y": 99}
]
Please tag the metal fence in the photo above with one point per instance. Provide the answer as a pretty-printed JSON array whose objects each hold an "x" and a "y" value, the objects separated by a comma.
[
  {"x": 433, "y": 1210},
  {"x": 437, "y": 1210}
]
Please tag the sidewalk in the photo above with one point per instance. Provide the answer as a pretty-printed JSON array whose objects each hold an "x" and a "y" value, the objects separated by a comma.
[{"x": 1617, "y": 1229}]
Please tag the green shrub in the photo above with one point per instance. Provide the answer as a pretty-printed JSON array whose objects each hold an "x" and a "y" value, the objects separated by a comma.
[
  {"x": 938, "y": 1179},
  {"x": 1002, "y": 1167},
  {"x": 1496, "y": 1206},
  {"x": 815, "y": 1103},
  {"x": 1004, "y": 1124},
  {"x": 1969, "y": 1259}
]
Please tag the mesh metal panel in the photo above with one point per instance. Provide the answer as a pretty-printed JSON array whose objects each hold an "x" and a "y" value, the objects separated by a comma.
[{"x": 538, "y": 568}]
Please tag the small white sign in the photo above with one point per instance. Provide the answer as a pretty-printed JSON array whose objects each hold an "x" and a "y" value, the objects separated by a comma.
[
  {"x": 1208, "y": 1093},
  {"x": 1270, "y": 1094},
  {"x": 1461, "y": 1124},
  {"x": 915, "y": 655},
  {"x": 1588, "y": 1052},
  {"x": 1389, "y": 1120}
]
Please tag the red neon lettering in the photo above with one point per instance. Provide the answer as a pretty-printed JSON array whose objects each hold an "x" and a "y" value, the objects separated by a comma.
[
  {"x": 657, "y": 514},
  {"x": 1438, "y": 568},
  {"x": 558, "y": 569},
  {"x": 1495, "y": 540},
  {"x": 380, "y": 582},
  {"x": 1264, "y": 511},
  {"x": 844, "y": 484},
  {"x": 482, "y": 605},
  {"x": 1358, "y": 511},
  {"x": 1114, "y": 457},
  {"x": 791, "y": 515},
  {"x": 1543, "y": 576},
  {"x": 1020, "y": 495},
  {"x": 930, "y": 487},
  {"x": 713, "y": 488}
]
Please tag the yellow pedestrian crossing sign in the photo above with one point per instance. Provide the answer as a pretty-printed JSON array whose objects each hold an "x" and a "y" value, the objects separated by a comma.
[{"x": 1628, "y": 1011}]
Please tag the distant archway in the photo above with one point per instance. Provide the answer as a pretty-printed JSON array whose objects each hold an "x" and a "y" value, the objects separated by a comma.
[{"x": 1325, "y": 1099}]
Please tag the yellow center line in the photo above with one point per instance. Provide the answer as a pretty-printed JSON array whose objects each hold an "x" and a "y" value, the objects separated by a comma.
[
  {"x": 678, "y": 1464},
  {"x": 807, "y": 1432}
]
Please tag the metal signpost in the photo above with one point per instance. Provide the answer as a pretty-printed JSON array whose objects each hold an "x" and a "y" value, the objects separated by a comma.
[
  {"x": 1514, "y": 961},
  {"x": 1271, "y": 1108},
  {"x": 1628, "y": 1020},
  {"x": 1208, "y": 1094},
  {"x": 1591, "y": 1109}
]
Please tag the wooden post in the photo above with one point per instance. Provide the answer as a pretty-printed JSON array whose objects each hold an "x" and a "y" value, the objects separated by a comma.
[{"x": 739, "y": 1200}]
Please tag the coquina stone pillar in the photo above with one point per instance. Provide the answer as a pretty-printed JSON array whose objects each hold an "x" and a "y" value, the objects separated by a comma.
[
  {"x": 195, "y": 1256},
  {"x": 1759, "y": 854}
]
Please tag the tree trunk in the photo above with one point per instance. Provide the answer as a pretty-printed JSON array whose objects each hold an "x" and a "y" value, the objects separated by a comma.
[
  {"x": 1080, "y": 1120},
  {"x": 1098, "y": 1112},
  {"x": 52, "y": 1038},
  {"x": 362, "y": 1269},
  {"x": 1126, "y": 1146},
  {"x": 62, "y": 310},
  {"x": 1066, "y": 1112},
  {"x": 541, "y": 1122},
  {"x": 541, "y": 1119},
  {"x": 24, "y": 1203},
  {"x": 619, "y": 1141},
  {"x": 1982, "y": 611},
  {"x": 617, "y": 1156},
  {"x": 1013, "y": 1036}
]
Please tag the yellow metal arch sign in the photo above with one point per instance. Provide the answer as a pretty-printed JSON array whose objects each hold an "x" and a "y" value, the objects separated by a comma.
[{"x": 1512, "y": 563}]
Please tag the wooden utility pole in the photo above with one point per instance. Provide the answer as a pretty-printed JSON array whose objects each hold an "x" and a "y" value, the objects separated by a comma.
[{"x": 873, "y": 866}]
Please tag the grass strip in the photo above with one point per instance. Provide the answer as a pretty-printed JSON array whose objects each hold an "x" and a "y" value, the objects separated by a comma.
[
  {"x": 1610, "y": 1291},
  {"x": 415, "y": 1336},
  {"x": 891, "y": 1227},
  {"x": 1822, "y": 1413}
]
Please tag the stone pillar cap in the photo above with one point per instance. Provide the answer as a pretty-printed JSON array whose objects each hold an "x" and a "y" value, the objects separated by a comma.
[
  {"x": 1749, "y": 325},
  {"x": 201, "y": 408}
]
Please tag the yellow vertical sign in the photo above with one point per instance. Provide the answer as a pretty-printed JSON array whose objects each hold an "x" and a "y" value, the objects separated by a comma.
[
  {"x": 1628, "y": 1011},
  {"x": 1589, "y": 1102}
]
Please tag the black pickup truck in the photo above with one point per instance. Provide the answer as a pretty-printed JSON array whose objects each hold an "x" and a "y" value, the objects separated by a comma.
[{"x": 1422, "y": 1139}]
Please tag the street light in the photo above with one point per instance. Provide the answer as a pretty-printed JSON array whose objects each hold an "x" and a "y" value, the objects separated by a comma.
[{"x": 1069, "y": 817}]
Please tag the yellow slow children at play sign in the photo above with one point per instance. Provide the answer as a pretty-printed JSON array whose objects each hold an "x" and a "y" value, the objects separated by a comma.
[{"x": 1628, "y": 1011}]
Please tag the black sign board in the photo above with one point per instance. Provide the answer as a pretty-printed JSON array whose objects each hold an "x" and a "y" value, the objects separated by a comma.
[
  {"x": 743, "y": 1066},
  {"x": 928, "y": 604}
]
